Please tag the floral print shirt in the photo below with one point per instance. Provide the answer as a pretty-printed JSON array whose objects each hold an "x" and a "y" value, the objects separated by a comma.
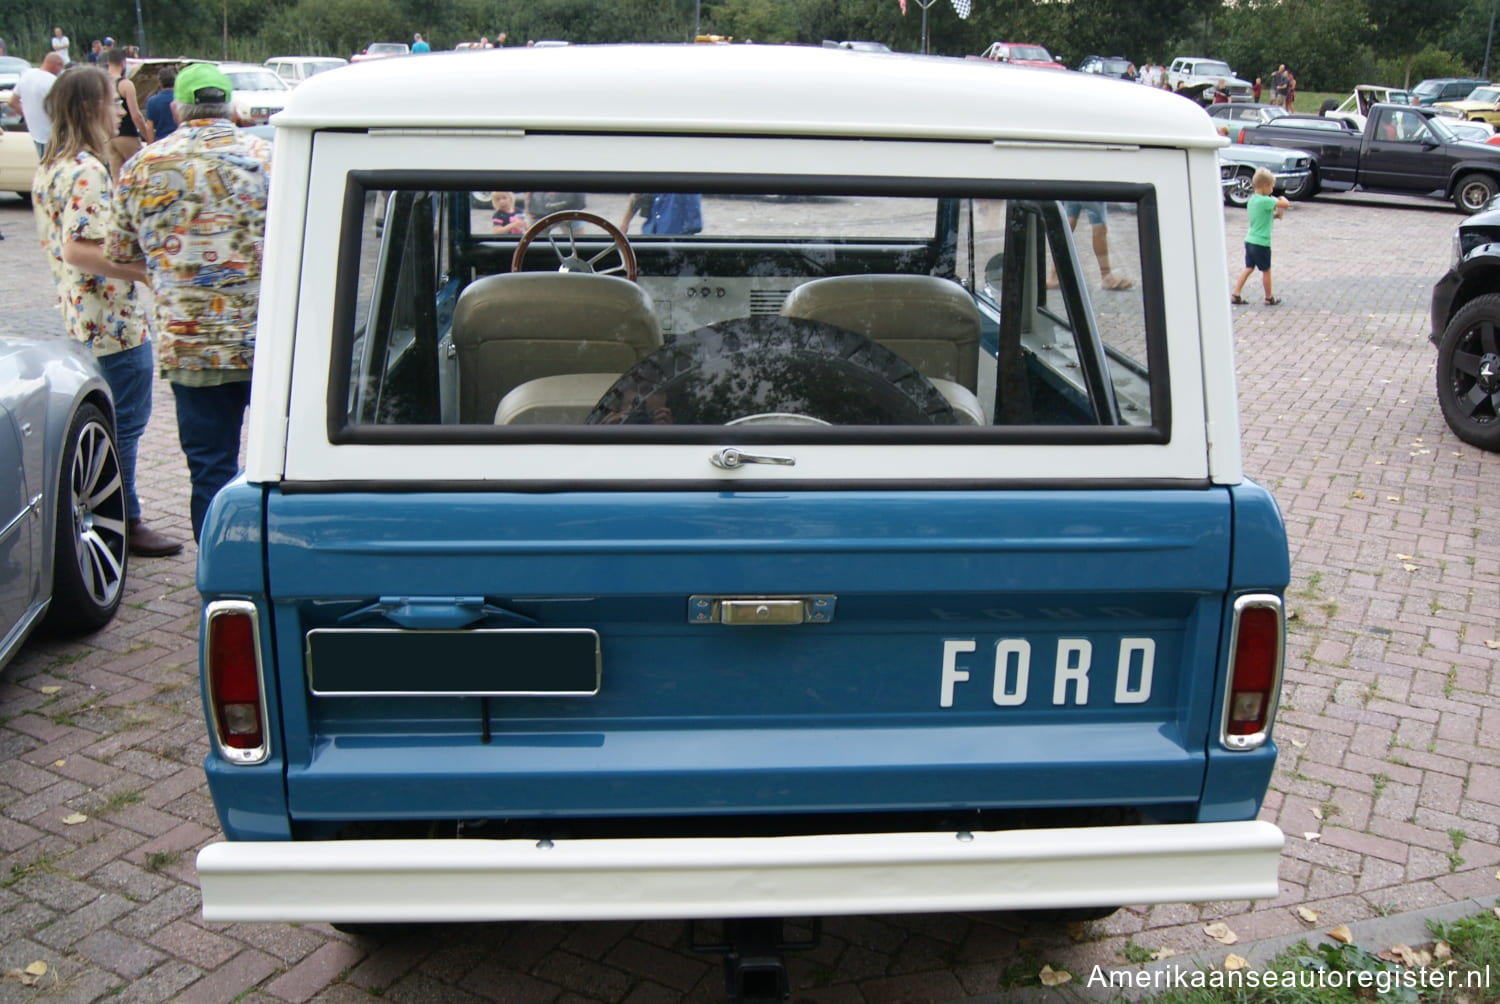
[
  {"x": 193, "y": 206},
  {"x": 71, "y": 202}
]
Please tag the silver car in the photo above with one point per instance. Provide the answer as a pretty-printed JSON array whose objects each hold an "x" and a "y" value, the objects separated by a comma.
[
  {"x": 62, "y": 503},
  {"x": 1237, "y": 164}
]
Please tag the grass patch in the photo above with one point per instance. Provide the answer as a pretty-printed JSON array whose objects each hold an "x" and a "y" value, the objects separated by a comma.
[
  {"x": 1133, "y": 953},
  {"x": 115, "y": 802},
  {"x": 157, "y": 860},
  {"x": 1353, "y": 974}
]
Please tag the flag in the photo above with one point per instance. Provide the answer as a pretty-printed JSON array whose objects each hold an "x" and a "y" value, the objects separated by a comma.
[
  {"x": 962, "y": 8},
  {"x": 903, "y": 8}
]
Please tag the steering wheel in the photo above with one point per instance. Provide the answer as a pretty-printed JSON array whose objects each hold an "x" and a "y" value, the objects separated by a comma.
[{"x": 571, "y": 260}]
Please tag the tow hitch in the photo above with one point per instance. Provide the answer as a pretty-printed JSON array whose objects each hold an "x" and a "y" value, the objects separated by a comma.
[{"x": 754, "y": 972}]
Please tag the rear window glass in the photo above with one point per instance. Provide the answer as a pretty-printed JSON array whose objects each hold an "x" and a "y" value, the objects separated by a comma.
[{"x": 1027, "y": 313}]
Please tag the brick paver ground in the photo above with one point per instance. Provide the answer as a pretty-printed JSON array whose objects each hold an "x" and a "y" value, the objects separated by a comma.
[{"x": 1388, "y": 785}]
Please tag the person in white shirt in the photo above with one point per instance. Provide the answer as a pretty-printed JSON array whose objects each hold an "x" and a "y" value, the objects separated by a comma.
[
  {"x": 60, "y": 45},
  {"x": 29, "y": 98}
]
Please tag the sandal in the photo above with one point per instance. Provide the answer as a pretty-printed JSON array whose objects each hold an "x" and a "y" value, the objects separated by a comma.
[
  {"x": 1117, "y": 282},
  {"x": 1237, "y": 299},
  {"x": 1272, "y": 301}
]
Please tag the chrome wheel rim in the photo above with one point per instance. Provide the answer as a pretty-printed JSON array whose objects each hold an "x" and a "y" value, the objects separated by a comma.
[{"x": 97, "y": 502}]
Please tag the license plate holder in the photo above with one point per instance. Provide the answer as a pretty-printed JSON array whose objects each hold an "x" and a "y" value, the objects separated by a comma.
[{"x": 498, "y": 662}]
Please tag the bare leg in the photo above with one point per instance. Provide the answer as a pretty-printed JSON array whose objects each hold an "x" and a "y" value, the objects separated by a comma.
[{"x": 1239, "y": 284}]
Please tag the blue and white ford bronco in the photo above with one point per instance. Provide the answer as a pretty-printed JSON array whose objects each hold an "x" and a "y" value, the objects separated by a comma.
[{"x": 805, "y": 522}]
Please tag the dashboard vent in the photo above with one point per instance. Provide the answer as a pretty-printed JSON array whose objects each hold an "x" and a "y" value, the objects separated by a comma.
[{"x": 767, "y": 301}]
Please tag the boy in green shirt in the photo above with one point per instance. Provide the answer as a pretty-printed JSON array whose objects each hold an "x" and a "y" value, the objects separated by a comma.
[{"x": 1261, "y": 209}]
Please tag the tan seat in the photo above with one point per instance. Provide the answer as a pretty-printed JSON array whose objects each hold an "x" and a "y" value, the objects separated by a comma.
[
  {"x": 513, "y": 328},
  {"x": 930, "y": 322},
  {"x": 565, "y": 399}
]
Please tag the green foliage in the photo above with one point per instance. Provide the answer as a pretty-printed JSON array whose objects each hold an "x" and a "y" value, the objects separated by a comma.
[
  {"x": 1430, "y": 62},
  {"x": 1329, "y": 44}
]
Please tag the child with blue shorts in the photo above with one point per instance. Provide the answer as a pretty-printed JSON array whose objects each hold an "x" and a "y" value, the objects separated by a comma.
[{"x": 1262, "y": 210}]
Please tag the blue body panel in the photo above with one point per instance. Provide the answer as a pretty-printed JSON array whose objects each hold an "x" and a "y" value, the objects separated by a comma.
[{"x": 893, "y": 706}]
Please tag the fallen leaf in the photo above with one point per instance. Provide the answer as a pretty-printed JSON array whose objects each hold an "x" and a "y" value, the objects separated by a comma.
[
  {"x": 1317, "y": 813},
  {"x": 1312, "y": 838},
  {"x": 1220, "y": 932},
  {"x": 1492, "y": 643},
  {"x": 74, "y": 818},
  {"x": 21, "y": 977},
  {"x": 1407, "y": 566},
  {"x": 1393, "y": 498},
  {"x": 1054, "y": 977},
  {"x": 1163, "y": 953},
  {"x": 1291, "y": 615},
  {"x": 1308, "y": 914},
  {"x": 1077, "y": 930},
  {"x": 1234, "y": 962},
  {"x": 1380, "y": 463},
  {"x": 37, "y": 968},
  {"x": 1407, "y": 956},
  {"x": 1301, "y": 744},
  {"x": 1405, "y": 557},
  {"x": 1356, "y": 494},
  {"x": 1343, "y": 934},
  {"x": 58, "y": 763},
  {"x": 1442, "y": 950},
  {"x": 49, "y": 691}
]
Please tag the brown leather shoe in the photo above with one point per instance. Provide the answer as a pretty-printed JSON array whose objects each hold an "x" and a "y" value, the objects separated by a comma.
[{"x": 147, "y": 543}]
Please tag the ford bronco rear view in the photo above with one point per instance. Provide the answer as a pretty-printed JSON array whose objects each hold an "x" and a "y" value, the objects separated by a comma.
[{"x": 794, "y": 523}]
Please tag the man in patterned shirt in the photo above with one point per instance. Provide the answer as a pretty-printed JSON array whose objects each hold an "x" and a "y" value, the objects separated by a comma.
[{"x": 193, "y": 207}]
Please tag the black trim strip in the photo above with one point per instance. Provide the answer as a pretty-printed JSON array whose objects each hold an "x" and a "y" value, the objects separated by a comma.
[{"x": 541, "y": 487}]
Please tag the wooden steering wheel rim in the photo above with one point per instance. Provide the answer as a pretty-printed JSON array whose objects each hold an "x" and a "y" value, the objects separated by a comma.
[{"x": 546, "y": 223}]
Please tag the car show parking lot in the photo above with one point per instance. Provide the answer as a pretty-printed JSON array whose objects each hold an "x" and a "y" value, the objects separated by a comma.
[{"x": 1387, "y": 786}]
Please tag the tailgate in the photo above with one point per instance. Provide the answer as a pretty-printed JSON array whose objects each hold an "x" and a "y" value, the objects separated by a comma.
[{"x": 973, "y": 650}]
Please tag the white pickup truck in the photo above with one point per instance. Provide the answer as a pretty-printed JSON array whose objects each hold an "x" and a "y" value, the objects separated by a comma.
[
  {"x": 808, "y": 524},
  {"x": 1205, "y": 77}
]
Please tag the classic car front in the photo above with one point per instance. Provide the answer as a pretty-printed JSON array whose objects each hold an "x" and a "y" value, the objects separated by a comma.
[
  {"x": 1237, "y": 164},
  {"x": 1482, "y": 105}
]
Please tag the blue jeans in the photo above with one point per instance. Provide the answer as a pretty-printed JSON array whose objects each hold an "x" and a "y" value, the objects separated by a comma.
[
  {"x": 208, "y": 427},
  {"x": 128, "y": 374}
]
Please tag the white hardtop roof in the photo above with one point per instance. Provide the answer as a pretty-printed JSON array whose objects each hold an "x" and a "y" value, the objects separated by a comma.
[{"x": 744, "y": 89}]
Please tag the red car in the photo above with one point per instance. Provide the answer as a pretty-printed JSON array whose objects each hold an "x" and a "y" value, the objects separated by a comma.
[{"x": 1021, "y": 54}]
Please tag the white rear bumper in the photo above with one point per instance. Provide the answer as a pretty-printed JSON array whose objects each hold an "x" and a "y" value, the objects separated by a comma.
[{"x": 487, "y": 880}]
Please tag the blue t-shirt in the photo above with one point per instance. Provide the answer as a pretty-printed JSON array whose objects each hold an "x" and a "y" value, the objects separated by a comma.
[
  {"x": 159, "y": 113},
  {"x": 421, "y": 47}
]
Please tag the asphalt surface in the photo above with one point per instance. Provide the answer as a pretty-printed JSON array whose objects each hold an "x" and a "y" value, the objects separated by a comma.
[{"x": 1388, "y": 783}]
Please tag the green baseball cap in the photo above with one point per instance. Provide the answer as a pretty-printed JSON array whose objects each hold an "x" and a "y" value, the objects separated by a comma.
[{"x": 195, "y": 80}]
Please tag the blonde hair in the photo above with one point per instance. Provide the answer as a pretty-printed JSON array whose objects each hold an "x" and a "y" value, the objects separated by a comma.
[
  {"x": 1263, "y": 178},
  {"x": 74, "y": 105}
]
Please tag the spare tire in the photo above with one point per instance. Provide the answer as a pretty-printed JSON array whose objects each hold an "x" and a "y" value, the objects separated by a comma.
[{"x": 771, "y": 368}]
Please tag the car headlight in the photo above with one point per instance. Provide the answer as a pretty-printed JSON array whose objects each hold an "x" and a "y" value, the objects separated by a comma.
[{"x": 1458, "y": 246}]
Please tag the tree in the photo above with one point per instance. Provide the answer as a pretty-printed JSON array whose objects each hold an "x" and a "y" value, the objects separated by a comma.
[{"x": 1402, "y": 28}]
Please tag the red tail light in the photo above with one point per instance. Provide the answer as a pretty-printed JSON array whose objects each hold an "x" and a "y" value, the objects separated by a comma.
[
  {"x": 1255, "y": 662},
  {"x": 1239, "y": 137},
  {"x": 232, "y": 672}
]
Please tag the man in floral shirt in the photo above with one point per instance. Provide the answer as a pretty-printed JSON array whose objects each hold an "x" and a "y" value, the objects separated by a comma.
[{"x": 193, "y": 207}]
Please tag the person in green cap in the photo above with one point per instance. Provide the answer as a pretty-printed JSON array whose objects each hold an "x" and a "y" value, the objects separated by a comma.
[{"x": 192, "y": 207}]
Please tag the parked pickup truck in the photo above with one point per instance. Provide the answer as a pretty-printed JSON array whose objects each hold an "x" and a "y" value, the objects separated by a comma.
[
  {"x": 1401, "y": 150},
  {"x": 841, "y": 543},
  {"x": 1206, "y": 77}
]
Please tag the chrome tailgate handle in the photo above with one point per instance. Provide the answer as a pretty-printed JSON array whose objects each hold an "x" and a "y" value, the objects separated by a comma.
[
  {"x": 730, "y": 458},
  {"x": 761, "y": 610}
]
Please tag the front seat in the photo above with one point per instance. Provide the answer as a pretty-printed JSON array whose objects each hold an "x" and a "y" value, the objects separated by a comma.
[
  {"x": 932, "y": 323},
  {"x": 521, "y": 326}
]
